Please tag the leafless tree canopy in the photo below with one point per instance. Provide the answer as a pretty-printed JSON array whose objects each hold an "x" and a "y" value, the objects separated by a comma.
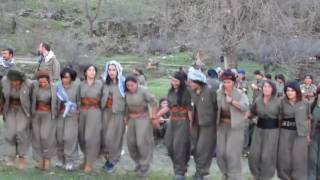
[{"x": 277, "y": 31}]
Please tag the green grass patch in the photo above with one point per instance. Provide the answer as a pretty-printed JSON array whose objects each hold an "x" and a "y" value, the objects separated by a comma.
[
  {"x": 10, "y": 173},
  {"x": 167, "y": 60},
  {"x": 56, "y": 25},
  {"x": 35, "y": 4},
  {"x": 159, "y": 87}
]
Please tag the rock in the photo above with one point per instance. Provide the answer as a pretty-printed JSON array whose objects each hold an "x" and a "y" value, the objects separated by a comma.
[
  {"x": 92, "y": 46},
  {"x": 76, "y": 10},
  {"x": 153, "y": 64},
  {"x": 77, "y": 22},
  {"x": 58, "y": 15},
  {"x": 26, "y": 13},
  {"x": 183, "y": 48}
]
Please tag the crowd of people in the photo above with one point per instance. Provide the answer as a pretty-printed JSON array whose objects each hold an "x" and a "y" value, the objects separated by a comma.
[{"x": 204, "y": 115}]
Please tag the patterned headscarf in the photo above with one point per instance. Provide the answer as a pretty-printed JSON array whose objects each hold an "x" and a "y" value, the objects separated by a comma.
[
  {"x": 121, "y": 78},
  {"x": 196, "y": 75}
]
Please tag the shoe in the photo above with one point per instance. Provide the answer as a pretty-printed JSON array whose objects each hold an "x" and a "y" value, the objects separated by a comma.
[
  {"x": 87, "y": 168},
  {"x": 179, "y": 177},
  {"x": 105, "y": 165},
  {"x": 46, "y": 164},
  {"x": 142, "y": 173},
  {"x": 137, "y": 168},
  {"x": 39, "y": 165},
  {"x": 197, "y": 177},
  {"x": 22, "y": 163},
  {"x": 69, "y": 167},
  {"x": 109, "y": 167},
  {"x": 10, "y": 161},
  {"x": 59, "y": 164}
]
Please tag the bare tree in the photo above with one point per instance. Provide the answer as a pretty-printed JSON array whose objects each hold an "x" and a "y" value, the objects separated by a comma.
[
  {"x": 92, "y": 18},
  {"x": 265, "y": 28}
]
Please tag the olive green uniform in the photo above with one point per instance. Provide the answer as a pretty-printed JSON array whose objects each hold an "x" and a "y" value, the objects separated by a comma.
[
  {"x": 67, "y": 128},
  {"x": 17, "y": 125},
  {"x": 204, "y": 128},
  {"x": 140, "y": 132},
  {"x": 308, "y": 89},
  {"x": 264, "y": 147},
  {"x": 113, "y": 126},
  {"x": 52, "y": 65},
  {"x": 314, "y": 148},
  {"x": 214, "y": 83},
  {"x": 243, "y": 85},
  {"x": 44, "y": 123},
  {"x": 258, "y": 92},
  {"x": 90, "y": 122},
  {"x": 141, "y": 79},
  {"x": 177, "y": 138},
  {"x": 280, "y": 90},
  {"x": 293, "y": 148},
  {"x": 230, "y": 137}
]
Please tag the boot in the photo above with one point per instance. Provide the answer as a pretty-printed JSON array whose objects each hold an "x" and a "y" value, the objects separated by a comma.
[
  {"x": 46, "y": 164},
  {"x": 87, "y": 168},
  {"x": 40, "y": 164},
  {"x": 10, "y": 161},
  {"x": 22, "y": 163}
]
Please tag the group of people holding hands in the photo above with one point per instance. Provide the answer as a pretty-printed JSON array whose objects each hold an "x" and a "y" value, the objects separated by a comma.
[{"x": 208, "y": 116}]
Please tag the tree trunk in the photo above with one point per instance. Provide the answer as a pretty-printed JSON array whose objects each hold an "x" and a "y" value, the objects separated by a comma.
[
  {"x": 91, "y": 28},
  {"x": 230, "y": 59},
  {"x": 13, "y": 25}
]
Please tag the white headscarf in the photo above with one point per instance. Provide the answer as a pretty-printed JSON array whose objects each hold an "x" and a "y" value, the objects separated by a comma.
[{"x": 121, "y": 78}]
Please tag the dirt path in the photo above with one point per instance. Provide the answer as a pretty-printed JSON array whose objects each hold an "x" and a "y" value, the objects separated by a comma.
[{"x": 161, "y": 162}]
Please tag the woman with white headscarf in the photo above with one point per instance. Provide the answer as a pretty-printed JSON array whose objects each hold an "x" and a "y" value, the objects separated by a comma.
[{"x": 113, "y": 106}]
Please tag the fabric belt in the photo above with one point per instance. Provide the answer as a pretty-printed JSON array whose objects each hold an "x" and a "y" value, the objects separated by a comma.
[
  {"x": 109, "y": 102},
  {"x": 267, "y": 123},
  {"x": 43, "y": 106},
  {"x": 89, "y": 103},
  {"x": 137, "y": 115},
  {"x": 15, "y": 102},
  {"x": 179, "y": 113}
]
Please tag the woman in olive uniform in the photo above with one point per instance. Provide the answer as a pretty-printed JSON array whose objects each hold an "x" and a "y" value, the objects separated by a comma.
[
  {"x": 44, "y": 111},
  {"x": 257, "y": 85},
  {"x": 242, "y": 83},
  {"x": 68, "y": 119},
  {"x": 233, "y": 105},
  {"x": 203, "y": 128},
  {"x": 314, "y": 148},
  {"x": 294, "y": 134},
  {"x": 280, "y": 81},
  {"x": 90, "y": 117},
  {"x": 16, "y": 90},
  {"x": 308, "y": 89},
  {"x": 177, "y": 138},
  {"x": 113, "y": 105},
  {"x": 264, "y": 147},
  {"x": 140, "y": 132}
]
